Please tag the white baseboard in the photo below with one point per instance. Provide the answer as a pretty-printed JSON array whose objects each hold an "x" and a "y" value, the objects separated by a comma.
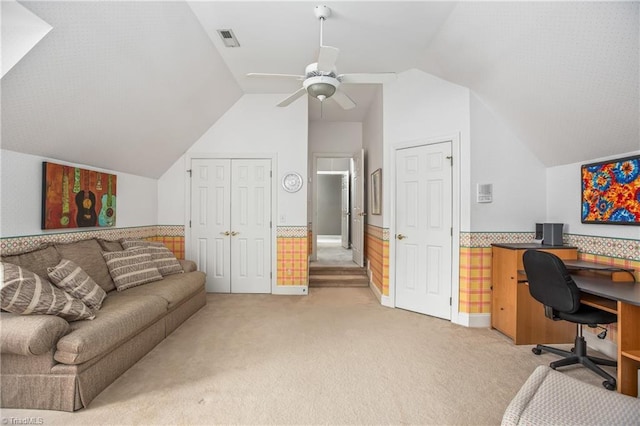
[
  {"x": 295, "y": 290},
  {"x": 474, "y": 320},
  {"x": 386, "y": 301},
  {"x": 604, "y": 346},
  {"x": 375, "y": 290}
]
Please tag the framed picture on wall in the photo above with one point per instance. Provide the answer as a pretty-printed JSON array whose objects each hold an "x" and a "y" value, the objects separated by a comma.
[
  {"x": 73, "y": 197},
  {"x": 376, "y": 192},
  {"x": 611, "y": 191}
]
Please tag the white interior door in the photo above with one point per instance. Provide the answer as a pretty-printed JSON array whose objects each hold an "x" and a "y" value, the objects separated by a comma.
[
  {"x": 251, "y": 226},
  {"x": 357, "y": 209},
  {"x": 211, "y": 221},
  {"x": 423, "y": 225},
  {"x": 344, "y": 225},
  {"x": 231, "y": 223}
]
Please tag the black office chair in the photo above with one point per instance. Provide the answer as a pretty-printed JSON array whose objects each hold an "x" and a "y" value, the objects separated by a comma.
[{"x": 551, "y": 284}]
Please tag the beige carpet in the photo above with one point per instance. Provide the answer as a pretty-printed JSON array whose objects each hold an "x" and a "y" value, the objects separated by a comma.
[
  {"x": 331, "y": 253},
  {"x": 333, "y": 357}
]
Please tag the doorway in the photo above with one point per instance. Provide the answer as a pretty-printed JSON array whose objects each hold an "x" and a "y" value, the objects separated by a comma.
[{"x": 333, "y": 203}]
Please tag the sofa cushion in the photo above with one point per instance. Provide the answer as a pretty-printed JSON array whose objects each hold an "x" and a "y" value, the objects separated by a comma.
[
  {"x": 119, "y": 319},
  {"x": 131, "y": 268},
  {"x": 174, "y": 288},
  {"x": 163, "y": 258},
  {"x": 549, "y": 397},
  {"x": 108, "y": 245},
  {"x": 30, "y": 334},
  {"x": 36, "y": 261},
  {"x": 26, "y": 293},
  {"x": 71, "y": 278},
  {"x": 87, "y": 254},
  {"x": 188, "y": 265}
]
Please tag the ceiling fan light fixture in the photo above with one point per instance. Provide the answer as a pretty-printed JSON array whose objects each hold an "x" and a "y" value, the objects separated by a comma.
[{"x": 321, "y": 90}]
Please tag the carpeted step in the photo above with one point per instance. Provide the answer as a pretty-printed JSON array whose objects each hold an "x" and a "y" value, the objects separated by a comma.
[
  {"x": 338, "y": 276},
  {"x": 338, "y": 281},
  {"x": 337, "y": 270}
]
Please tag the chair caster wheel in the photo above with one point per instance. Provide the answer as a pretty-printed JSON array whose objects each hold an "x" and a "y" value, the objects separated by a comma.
[
  {"x": 536, "y": 351},
  {"x": 609, "y": 386}
]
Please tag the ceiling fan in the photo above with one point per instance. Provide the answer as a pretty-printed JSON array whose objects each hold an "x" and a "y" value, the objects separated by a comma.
[{"x": 321, "y": 79}]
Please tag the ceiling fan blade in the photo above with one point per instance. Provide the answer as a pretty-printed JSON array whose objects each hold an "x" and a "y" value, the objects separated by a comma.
[
  {"x": 368, "y": 78},
  {"x": 267, "y": 75},
  {"x": 327, "y": 58},
  {"x": 343, "y": 100},
  {"x": 292, "y": 97}
]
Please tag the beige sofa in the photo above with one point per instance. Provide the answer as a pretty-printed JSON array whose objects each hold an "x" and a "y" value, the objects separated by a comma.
[
  {"x": 550, "y": 397},
  {"x": 49, "y": 363}
]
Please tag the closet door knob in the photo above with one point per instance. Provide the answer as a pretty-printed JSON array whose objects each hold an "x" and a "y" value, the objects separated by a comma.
[
  {"x": 225, "y": 233},
  {"x": 234, "y": 233}
]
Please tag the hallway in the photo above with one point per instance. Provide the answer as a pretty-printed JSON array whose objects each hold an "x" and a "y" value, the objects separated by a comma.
[
  {"x": 331, "y": 253},
  {"x": 335, "y": 266}
]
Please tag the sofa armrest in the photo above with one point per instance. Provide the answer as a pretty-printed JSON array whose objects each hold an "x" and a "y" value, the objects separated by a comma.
[
  {"x": 30, "y": 334},
  {"x": 188, "y": 265},
  {"x": 551, "y": 397}
]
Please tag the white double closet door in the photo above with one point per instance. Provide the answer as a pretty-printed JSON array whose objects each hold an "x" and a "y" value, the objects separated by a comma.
[{"x": 231, "y": 223}]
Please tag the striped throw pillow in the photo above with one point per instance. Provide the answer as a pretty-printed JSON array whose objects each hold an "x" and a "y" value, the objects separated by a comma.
[
  {"x": 131, "y": 268},
  {"x": 163, "y": 258},
  {"x": 71, "y": 278},
  {"x": 25, "y": 293}
]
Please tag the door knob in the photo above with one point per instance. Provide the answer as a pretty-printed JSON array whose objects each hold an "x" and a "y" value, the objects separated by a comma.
[
  {"x": 234, "y": 233},
  {"x": 225, "y": 233},
  {"x": 362, "y": 214},
  {"x": 401, "y": 237}
]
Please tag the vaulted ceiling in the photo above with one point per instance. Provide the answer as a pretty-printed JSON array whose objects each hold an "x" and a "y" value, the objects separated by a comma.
[{"x": 148, "y": 78}]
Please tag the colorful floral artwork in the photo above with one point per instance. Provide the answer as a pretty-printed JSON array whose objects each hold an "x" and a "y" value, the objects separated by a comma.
[
  {"x": 611, "y": 192},
  {"x": 73, "y": 197}
]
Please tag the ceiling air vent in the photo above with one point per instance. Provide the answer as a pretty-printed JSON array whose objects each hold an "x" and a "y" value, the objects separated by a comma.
[{"x": 228, "y": 38}]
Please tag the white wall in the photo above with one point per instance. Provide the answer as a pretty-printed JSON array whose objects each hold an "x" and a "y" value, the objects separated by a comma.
[
  {"x": 21, "y": 30},
  {"x": 372, "y": 136},
  {"x": 252, "y": 126},
  {"x": 564, "y": 198},
  {"x": 171, "y": 194},
  {"x": 21, "y": 195},
  {"x": 418, "y": 107},
  {"x": 341, "y": 137},
  {"x": 518, "y": 177}
]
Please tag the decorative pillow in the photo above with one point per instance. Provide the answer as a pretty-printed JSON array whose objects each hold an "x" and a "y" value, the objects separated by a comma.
[
  {"x": 36, "y": 261},
  {"x": 108, "y": 245},
  {"x": 130, "y": 268},
  {"x": 87, "y": 254},
  {"x": 163, "y": 258},
  {"x": 71, "y": 278},
  {"x": 24, "y": 293}
]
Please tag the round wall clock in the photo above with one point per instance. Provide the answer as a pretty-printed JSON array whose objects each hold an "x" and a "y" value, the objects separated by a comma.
[{"x": 292, "y": 182}]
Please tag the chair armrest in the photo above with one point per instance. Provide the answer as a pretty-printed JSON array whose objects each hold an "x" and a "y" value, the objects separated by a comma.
[
  {"x": 30, "y": 334},
  {"x": 188, "y": 265}
]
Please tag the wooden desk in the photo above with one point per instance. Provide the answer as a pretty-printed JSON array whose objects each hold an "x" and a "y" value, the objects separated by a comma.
[
  {"x": 604, "y": 293},
  {"x": 612, "y": 272},
  {"x": 513, "y": 311},
  {"x": 516, "y": 314}
]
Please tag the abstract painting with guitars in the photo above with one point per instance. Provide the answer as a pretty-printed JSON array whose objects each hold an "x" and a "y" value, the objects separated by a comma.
[{"x": 73, "y": 197}]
